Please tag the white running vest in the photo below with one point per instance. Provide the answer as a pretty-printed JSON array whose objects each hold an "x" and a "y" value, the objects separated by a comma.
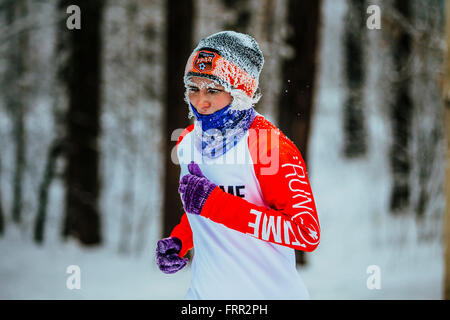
[{"x": 228, "y": 264}]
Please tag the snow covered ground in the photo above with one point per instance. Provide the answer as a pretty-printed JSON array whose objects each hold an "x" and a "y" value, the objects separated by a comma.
[{"x": 28, "y": 271}]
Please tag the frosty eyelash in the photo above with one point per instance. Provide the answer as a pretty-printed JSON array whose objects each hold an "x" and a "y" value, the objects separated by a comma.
[{"x": 209, "y": 90}]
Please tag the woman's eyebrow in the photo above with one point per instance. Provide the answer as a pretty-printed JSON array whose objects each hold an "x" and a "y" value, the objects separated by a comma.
[{"x": 214, "y": 87}]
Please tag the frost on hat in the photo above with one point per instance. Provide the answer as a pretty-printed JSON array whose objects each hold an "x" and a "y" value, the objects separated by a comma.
[{"x": 231, "y": 59}]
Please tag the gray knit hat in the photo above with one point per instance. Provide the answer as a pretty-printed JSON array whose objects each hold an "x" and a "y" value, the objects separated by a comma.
[{"x": 229, "y": 58}]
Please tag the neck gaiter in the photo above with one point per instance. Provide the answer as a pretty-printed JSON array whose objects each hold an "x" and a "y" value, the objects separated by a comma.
[{"x": 220, "y": 131}]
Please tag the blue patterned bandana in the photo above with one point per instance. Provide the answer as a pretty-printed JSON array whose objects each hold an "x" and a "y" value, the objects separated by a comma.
[{"x": 220, "y": 131}]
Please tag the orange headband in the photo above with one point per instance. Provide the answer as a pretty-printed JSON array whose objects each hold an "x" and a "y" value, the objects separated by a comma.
[{"x": 211, "y": 63}]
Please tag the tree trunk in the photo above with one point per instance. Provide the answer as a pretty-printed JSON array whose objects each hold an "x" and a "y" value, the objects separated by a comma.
[
  {"x": 2, "y": 219},
  {"x": 401, "y": 114},
  {"x": 179, "y": 47},
  {"x": 298, "y": 76},
  {"x": 82, "y": 77},
  {"x": 16, "y": 91},
  {"x": 355, "y": 136},
  {"x": 447, "y": 180},
  {"x": 20, "y": 161},
  {"x": 242, "y": 15},
  {"x": 49, "y": 172}
]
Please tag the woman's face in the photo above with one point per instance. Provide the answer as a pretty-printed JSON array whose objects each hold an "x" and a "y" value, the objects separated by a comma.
[{"x": 207, "y": 96}]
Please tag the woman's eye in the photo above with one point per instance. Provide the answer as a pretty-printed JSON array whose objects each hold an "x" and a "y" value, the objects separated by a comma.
[
  {"x": 193, "y": 89},
  {"x": 213, "y": 91}
]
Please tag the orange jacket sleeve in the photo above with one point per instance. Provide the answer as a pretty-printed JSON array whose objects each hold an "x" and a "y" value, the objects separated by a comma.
[
  {"x": 183, "y": 232},
  {"x": 291, "y": 219}
]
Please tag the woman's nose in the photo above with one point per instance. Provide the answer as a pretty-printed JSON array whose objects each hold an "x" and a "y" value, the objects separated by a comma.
[{"x": 204, "y": 100}]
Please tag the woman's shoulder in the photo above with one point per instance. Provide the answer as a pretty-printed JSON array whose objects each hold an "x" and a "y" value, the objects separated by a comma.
[
  {"x": 260, "y": 122},
  {"x": 263, "y": 133}
]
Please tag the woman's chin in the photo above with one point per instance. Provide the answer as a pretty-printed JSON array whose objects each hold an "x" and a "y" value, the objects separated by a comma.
[{"x": 205, "y": 112}]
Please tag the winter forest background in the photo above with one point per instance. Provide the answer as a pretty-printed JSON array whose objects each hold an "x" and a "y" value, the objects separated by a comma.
[{"x": 89, "y": 119}]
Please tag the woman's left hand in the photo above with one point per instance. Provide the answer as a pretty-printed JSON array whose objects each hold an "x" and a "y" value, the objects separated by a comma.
[{"x": 194, "y": 189}]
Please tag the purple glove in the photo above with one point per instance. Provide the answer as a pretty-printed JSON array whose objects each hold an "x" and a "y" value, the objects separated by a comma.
[
  {"x": 167, "y": 257},
  {"x": 194, "y": 189}
]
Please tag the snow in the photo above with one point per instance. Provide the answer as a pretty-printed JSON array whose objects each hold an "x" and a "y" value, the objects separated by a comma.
[{"x": 28, "y": 271}]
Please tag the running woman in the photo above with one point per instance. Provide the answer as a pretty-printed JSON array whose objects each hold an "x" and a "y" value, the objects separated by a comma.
[{"x": 243, "y": 184}]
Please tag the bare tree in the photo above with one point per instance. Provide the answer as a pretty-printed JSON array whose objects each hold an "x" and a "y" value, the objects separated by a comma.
[
  {"x": 298, "y": 76},
  {"x": 355, "y": 141},
  {"x": 179, "y": 47},
  {"x": 401, "y": 112},
  {"x": 428, "y": 130},
  {"x": 50, "y": 18},
  {"x": 82, "y": 78},
  {"x": 128, "y": 202},
  {"x": 54, "y": 152},
  {"x": 268, "y": 26},
  {"x": 15, "y": 95}
]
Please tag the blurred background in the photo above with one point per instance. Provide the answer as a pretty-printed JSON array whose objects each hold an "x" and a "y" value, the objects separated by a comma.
[{"x": 91, "y": 106}]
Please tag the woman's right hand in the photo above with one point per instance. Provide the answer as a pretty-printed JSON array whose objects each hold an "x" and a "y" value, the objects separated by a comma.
[{"x": 167, "y": 257}]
